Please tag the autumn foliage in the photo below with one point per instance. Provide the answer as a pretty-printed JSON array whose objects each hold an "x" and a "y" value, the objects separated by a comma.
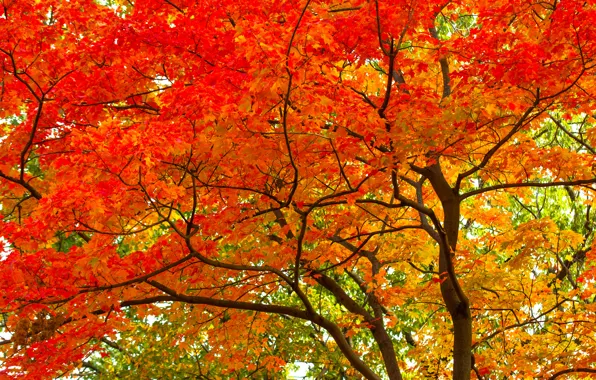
[{"x": 219, "y": 190}]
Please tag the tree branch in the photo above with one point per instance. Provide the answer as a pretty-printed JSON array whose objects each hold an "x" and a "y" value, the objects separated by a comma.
[{"x": 527, "y": 184}]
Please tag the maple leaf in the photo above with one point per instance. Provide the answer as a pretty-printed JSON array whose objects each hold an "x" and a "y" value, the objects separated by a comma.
[{"x": 225, "y": 190}]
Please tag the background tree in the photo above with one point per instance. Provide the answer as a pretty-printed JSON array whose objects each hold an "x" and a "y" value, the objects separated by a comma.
[{"x": 384, "y": 189}]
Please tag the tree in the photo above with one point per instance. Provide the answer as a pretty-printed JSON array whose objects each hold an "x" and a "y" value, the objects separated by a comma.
[{"x": 383, "y": 189}]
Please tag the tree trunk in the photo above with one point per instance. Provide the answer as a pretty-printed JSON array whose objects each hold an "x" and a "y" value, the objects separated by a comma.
[
  {"x": 458, "y": 308},
  {"x": 386, "y": 346}
]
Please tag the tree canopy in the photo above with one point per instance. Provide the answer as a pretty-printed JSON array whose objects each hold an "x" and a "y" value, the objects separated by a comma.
[{"x": 381, "y": 189}]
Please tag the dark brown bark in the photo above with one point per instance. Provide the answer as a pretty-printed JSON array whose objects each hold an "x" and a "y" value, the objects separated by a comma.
[
  {"x": 456, "y": 302},
  {"x": 329, "y": 326},
  {"x": 378, "y": 327},
  {"x": 387, "y": 351}
]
